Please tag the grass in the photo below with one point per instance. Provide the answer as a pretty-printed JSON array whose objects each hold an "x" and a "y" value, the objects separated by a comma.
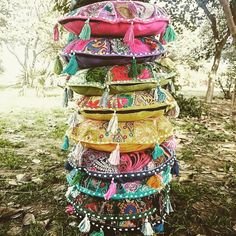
[
  {"x": 200, "y": 207},
  {"x": 9, "y": 159}
]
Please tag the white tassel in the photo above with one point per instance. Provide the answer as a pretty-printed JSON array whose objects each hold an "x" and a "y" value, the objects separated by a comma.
[
  {"x": 73, "y": 120},
  {"x": 84, "y": 226},
  {"x": 169, "y": 208},
  {"x": 113, "y": 124},
  {"x": 69, "y": 190},
  {"x": 78, "y": 152},
  {"x": 114, "y": 158},
  {"x": 177, "y": 110},
  {"x": 147, "y": 228}
]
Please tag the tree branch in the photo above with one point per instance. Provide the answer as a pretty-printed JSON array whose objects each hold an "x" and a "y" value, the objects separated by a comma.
[
  {"x": 228, "y": 16},
  {"x": 211, "y": 17},
  {"x": 15, "y": 55}
]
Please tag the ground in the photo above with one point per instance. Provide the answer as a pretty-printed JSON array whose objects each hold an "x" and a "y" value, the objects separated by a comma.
[{"x": 33, "y": 181}]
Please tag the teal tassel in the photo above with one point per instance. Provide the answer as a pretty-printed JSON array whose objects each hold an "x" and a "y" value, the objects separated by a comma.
[
  {"x": 159, "y": 95},
  {"x": 71, "y": 37},
  {"x": 65, "y": 98},
  {"x": 72, "y": 66},
  {"x": 85, "y": 33},
  {"x": 101, "y": 233},
  {"x": 159, "y": 228},
  {"x": 170, "y": 34},
  {"x": 65, "y": 145},
  {"x": 104, "y": 99},
  {"x": 58, "y": 66},
  {"x": 158, "y": 152}
]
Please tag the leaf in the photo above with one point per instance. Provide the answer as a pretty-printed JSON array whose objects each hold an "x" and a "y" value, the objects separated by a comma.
[
  {"x": 29, "y": 219},
  {"x": 7, "y": 212}
]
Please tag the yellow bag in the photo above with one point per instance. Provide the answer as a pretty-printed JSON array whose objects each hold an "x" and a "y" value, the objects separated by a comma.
[
  {"x": 131, "y": 136},
  {"x": 134, "y": 106}
]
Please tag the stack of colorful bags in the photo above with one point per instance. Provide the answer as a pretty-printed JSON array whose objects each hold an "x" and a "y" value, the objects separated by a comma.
[{"x": 124, "y": 154}]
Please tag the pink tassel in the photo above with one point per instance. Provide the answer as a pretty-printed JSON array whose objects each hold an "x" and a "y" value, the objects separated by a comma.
[
  {"x": 56, "y": 33},
  {"x": 129, "y": 36},
  {"x": 111, "y": 191},
  {"x": 114, "y": 158}
]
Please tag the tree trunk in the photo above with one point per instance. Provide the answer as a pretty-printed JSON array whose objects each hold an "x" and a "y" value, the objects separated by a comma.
[
  {"x": 229, "y": 18},
  {"x": 213, "y": 73},
  {"x": 234, "y": 104}
]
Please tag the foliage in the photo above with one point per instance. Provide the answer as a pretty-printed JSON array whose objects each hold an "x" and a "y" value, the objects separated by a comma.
[
  {"x": 30, "y": 39},
  {"x": 189, "y": 107},
  {"x": 227, "y": 80}
]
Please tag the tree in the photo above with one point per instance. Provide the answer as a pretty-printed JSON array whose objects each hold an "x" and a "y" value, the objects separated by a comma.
[
  {"x": 220, "y": 39},
  {"x": 194, "y": 14},
  {"x": 27, "y": 35},
  {"x": 230, "y": 15}
]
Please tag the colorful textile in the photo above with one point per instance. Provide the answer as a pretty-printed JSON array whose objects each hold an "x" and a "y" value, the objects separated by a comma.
[
  {"x": 114, "y": 18},
  {"x": 107, "y": 51},
  {"x": 132, "y": 136},
  {"x": 117, "y": 79},
  {"x": 134, "y": 106}
]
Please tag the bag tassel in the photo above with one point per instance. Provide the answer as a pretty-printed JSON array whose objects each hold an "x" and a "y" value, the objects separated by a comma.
[
  {"x": 58, "y": 67},
  {"x": 65, "y": 145},
  {"x": 65, "y": 98},
  {"x": 172, "y": 87},
  {"x": 175, "y": 169},
  {"x": 71, "y": 37},
  {"x": 159, "y": 95},
  {"x": 73, "y": 120},
  {"x": 113, "y": 124},
  {"x": 129, "y": 36},
  {"x": 72, "y": 66},
  {"x": 85, "y": 33},
  {"x": 56, "y": 33},
  {"x": 100, "y": 233},
  {"x": 159, "y": 228},
  {"x": 114, "y": 158},
  {"x": 158, "y": 152},
  {"x": 84, "y": 226},
  {"x": 170, "y": 34},
  {"x": 169, "y": 208},
  {"x": 104, "y": 99},
  {"x": 111, "y": 191},
  {"x": 147, "y": 228},
  {"x": 78, "y": 152}
]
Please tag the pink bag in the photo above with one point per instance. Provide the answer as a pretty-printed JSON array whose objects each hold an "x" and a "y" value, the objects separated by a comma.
[{"x": 116, "y": 17}]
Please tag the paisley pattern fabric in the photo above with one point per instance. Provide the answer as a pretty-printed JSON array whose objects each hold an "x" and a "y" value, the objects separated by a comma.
[
  {"x": 114, "y": 18},
  {"x": 97, "y": 161},
  {"x": 132, "y": 136},
  {"x": 121, "y": 210},
  {"x": 130, "y": 190},
  {"x": 107, "y": 51},
  {"x": 115, "y": 46}
]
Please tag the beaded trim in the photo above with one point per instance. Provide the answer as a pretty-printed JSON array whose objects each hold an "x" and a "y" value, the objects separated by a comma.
[
  {"x": 123, "y": 176},
  {"x": 115, "y": 228}
]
